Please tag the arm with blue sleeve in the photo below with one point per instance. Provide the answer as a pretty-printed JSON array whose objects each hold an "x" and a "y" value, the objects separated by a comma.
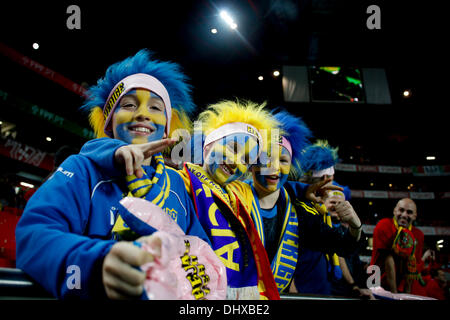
[
  {"x": 50, "y": 240},
  {"x": 316, "y": 235},
  {"x": 101, "y": 152},
  {"x": 313, "y": 232}
]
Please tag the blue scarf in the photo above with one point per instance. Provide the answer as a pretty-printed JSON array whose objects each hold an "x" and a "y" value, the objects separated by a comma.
[
  {"x": 155, "y": 190},
  {"x": 285, "y": 260},
  {"x": 232, "y": 236}
]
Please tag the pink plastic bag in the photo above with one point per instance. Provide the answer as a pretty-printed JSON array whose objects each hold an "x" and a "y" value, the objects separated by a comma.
[
  {"x": 151, "y": 214},
  {"x": 379, "y": 291},
  {"x": 187, "y": 269}
]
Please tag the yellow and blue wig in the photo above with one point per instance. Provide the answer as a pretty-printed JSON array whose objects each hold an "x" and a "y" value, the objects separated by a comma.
[
  {"x": 298, "y": 134},
  {"x": 168, "y": 73},
  {"x": 228, "y": 111},
  {"x": 319, "y": 156}
]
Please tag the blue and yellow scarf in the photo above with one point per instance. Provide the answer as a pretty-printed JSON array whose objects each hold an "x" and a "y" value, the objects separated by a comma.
[
  {"x": 155, "y": 190},
  {"x": 285, "y": 260},
  {"x": 233, "y": 236}
]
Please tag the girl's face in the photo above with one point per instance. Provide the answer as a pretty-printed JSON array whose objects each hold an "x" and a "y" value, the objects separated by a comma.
[
  {"x": 275, "y": 174},
  {"x": 229, "y": 159},
  {"x": 140, "y": 117}
]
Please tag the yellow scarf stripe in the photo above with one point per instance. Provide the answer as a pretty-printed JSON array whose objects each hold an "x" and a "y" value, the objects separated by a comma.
[
  {"x": 309, "y": 209},
  {"x": 166, "y": 192},
  {"x": 286, "y": 218},
  {"x": 257, "y": 220}
]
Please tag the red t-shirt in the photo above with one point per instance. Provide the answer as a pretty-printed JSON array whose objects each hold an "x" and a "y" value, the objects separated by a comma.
[{"x": 383, "y": 238}]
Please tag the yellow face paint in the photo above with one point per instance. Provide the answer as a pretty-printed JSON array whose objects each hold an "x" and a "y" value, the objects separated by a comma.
[
  {"x": 140, "y": 117},
  {"x": 230, "y": 157},
  {"x": 275, "y": 174}
]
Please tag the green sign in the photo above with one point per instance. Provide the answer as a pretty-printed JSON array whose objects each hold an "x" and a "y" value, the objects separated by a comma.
[{"x": 47, "y": 115}]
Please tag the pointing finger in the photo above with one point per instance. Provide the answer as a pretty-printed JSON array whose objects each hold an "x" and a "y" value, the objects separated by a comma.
[{"x": 153, "y": 147}]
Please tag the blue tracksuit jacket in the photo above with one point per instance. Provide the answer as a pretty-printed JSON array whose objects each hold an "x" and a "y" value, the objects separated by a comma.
[{"x": 65, "y": 230}]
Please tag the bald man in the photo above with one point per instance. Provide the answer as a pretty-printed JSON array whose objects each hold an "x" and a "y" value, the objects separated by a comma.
[{"x": 397, "y": 250}]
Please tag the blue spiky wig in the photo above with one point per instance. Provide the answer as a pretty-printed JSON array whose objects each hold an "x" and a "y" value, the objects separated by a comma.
[
  {"x": 319, "y": 156},
  {"x": 298, "y": 134},
  {"x": 168, "y": 73}
]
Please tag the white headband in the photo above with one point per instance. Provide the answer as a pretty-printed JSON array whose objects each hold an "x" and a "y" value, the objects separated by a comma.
[
  {"x": 285, "y": 143},
  {"x": 328, "y": 171},
  {"x": 135, "y": 81},
  {"x": 232, "y": 128}
]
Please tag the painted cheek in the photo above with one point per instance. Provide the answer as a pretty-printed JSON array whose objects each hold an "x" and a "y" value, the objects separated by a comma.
[
  {"x": 212, "y": 165},
  {"x": 261, "y": 180},
  {"x": 122, "y": 120},
  {"x": 240, "y": 170},
  {"x": 282, "y": 181}
]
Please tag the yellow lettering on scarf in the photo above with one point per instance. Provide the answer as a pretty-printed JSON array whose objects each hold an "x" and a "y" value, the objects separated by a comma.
[
  {"x": 212, "y": 214},
  {"x": 228, "y": 249},
  {"x": 222, "y": 233}
]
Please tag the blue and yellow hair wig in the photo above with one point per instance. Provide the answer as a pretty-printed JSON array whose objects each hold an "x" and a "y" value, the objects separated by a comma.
[
  {"x": 168, "y": 73},
  {"x": 319, "y": 156},
  {"x": 228, "y": 111},
  {"x": 298, "y": 134}
]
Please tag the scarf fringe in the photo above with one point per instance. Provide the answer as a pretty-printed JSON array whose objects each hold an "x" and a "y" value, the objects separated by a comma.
[{"x": 245, "y": 293}]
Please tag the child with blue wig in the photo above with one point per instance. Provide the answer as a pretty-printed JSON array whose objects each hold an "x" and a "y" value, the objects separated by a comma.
[
  {"x": 75, "y": 221},
  {"x": 287, "y": 230},
  {"x": 318, "y": 264}
]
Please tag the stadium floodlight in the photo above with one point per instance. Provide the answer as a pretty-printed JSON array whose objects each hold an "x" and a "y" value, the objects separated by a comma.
[{"x": 228, "y": 19}]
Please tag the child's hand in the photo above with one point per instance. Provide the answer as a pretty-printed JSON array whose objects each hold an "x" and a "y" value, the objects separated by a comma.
[
  {"x": 133, "y": 155},
  {"x": 121, "y": 279},
  {"x": 315, "y": 191}
]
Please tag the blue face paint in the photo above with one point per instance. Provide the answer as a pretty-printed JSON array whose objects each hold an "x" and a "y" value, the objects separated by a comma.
[
  {"x": 140, "y": 117},
  {"x": 230, "y": 157},
  {"x": 276, "y": 171}
]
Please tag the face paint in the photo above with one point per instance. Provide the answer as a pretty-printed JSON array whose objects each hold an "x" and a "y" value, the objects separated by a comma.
[
  {"x": 277, "y": 169},
  {"x": 140, "y": 117},
  {"x": 229, "y": 158}
]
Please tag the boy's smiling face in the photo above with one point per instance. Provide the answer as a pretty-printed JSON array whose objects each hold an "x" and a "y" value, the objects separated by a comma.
[
  {"x": 275, "y": 174},
  {"x": 229, "y": 158},
  {"x": 140, "y": 117}
]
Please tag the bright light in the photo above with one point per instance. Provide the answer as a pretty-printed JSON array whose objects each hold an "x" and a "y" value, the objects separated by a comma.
[
  {"x": 406, "y": 93},
  {"x": 48, "y": 139},
  {"x": 260, "y": 78},
  {"x": 440, "y": 245},
  {"x": 276, "y": 73},
  {"x": 35, "y": 46},
  {"x": 440, "y": 241},
  {"x": 228, "y": 19},
  {"x": 225, "y": 16},
  {"x": 214, "y": 30},
  {"x": 390, "y": 185},
  {"x": 431, "y": 158},
  {"x": 28, "y": 185}
]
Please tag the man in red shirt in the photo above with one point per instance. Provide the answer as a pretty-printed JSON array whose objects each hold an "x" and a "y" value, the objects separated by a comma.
[{"x": 397, "y": 250}]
